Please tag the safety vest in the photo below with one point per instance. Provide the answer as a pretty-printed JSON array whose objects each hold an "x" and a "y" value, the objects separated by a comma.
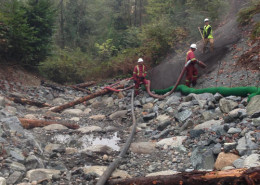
[
  {"x": 138, "y": 71},
  {"x": 205, "y": 31},
  {"x": 190, "y": 56}
]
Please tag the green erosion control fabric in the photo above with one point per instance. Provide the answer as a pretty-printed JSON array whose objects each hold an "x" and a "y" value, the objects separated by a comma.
[{"x": 225, "y": 91}]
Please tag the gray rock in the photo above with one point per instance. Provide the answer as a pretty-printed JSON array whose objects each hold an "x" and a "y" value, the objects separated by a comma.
[
  {"x": 55, "y": 127},
  {"x": 137, "y": 103},
  {"x": 256, "y": 17},
  {"x": 149, "y": 100},
  {"x": 2, "y": 101},
  {"x": 189, "y": 123},
  {"x": 41, "y": 174},
  {"x": 75, "y": 112},
  {"x": 17, "y": 154},
  {"x": 208, "y": 124},
  {"x": 118, "y": 114},
  {"x": 239, "y": 163},
  {"x": 162, "y": 134},
  {"x": 202, "y": 158},
  {"x": 59, "y": 101},
  {"x": 17, "y": 166},
  {"x": 13, "y": 124},
  {"x": 163, "y": 125},
  {"x": 174, "y": 142},
  {"x": 246, "y": 145},
  {"x": 173, "y": 100},
  {"x": 252, "y": 161},
  {"x": 234, "y": 98},
  {"x": 149, "y": 116},
  {"x": 227, "y": 105},
  {"x": 217, "y": 149},
  {"x": 196, "y": 133},
  {"x": 143, "y": 147},
  {"x": 51, "y": 147},
  {"x": 253, "y": 105},
  {"x": 183, "y": 116},
  {"x": 89, "y": 129},
  {"x": 2, "y": 181},
  {"x": 256, "y": 123},
  {"x": 11, "y": 110},
  {"x": 234, "y": 130},
  {"x": 229, "y": 146},
  {"x": 98, "y": 149},
  {"x": 256, "y": 115},
  {"x": 32, "y": 162},
  {"x": 14, "y": 177},
  {"x": 218, "y": 96}
]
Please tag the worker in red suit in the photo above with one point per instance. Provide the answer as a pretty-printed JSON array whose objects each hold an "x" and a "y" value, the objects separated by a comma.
[
  {"x": 191, "y": 70},
  {"x": 139, "y": 75}
]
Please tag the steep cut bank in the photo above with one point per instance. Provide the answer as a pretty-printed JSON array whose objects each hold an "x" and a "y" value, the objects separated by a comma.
[{"x": 166, "y": 74}]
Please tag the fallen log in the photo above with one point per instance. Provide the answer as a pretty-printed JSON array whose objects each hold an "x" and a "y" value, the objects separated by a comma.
[
  {"x": 83, "y": 99},
  {"x": 81, "y": 89},
  {"x": 25, "y": 101},
  {"x": 29, "y": 123},
  {"x": 54, "y": 87},
  {"x": 236, "y": 176},
  {"x": 87, "y": 84}
]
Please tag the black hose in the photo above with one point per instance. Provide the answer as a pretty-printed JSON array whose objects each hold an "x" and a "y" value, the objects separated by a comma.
[{"x": 110, "y": 169}]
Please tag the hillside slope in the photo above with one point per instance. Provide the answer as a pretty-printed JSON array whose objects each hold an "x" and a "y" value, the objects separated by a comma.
[{"x": 226, "y": 51}]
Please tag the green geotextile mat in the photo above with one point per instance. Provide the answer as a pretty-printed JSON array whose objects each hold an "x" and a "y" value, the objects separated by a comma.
[{"x": 224, "y": 91}]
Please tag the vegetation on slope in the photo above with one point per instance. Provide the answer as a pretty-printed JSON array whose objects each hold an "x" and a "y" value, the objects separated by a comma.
[{"x": 71, "y": 40}]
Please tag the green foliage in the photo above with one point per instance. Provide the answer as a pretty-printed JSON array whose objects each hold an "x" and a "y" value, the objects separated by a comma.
[
  {"x": 106, "y": 50},
  {"x": 67, "y": 66},
  {"x": 30, "y": 29},
  {"x": 246, "y": 14}
]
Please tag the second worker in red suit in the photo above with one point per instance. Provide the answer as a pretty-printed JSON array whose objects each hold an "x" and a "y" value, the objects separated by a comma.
[
  {"x": 139, "y": 75},
  {"x": 191, "y": 70}
]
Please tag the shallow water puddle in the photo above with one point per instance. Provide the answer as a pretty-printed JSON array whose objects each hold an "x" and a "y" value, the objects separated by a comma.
[{"x": 88, "y": 140}]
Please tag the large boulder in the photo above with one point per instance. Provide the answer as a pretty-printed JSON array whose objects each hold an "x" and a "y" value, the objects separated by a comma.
[
  {"x": 225, "y": 159},
  {"x": 208, "y": 124},
  {"x": 227, "y": 105},
  {"x": 143, "y": 147},
  {"x": 202, "y": 158},
  {"x": 100, "y": 170},
  {"x": 252, "y": 161},
  {"x": 41, "y": 174},
  {"x": 253, "y": 106}
]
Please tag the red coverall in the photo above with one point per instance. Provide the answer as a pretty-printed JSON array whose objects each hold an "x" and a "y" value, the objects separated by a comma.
[
  {"x": 139, "y": 75},
  {"x": 191, "y": 71}
]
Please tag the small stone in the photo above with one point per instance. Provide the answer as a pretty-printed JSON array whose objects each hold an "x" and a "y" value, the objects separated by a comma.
[
  {"x": 87, "y": 111},
  {"x": 14, "y": 177},
  {"x": 2, "y": 181},
  {"x": 75, "y": 112},
  {"x": 118, "y": 114},
  {"x": 252, "y": 161},
  {"x": 227, "y": 105},
  {"x": 229, "y": 146},
  {"x": 142, "y": 147},
  {"x": 55, "y": 127},
  {"x": 149, "y": 116},
  {"x": 105, "y": 157},
  {"x": 196, "y": 133},
  {"x": 71, "y": 150},
  {"x": 98, "y": 117},
  {"x": 234, "y": 130},
  {"x": 90, "y": 129}
]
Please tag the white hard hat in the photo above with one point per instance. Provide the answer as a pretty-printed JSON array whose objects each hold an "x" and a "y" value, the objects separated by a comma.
[
  {"x": 206, "y": 20},
  {"x": 140, "y": 60},
  {"x": 193, "y": 46}
]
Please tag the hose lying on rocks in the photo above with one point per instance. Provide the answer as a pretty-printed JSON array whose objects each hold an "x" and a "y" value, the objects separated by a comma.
[
  {"x": 110, "y": 169},
  {"x": 225, "y": 91}
]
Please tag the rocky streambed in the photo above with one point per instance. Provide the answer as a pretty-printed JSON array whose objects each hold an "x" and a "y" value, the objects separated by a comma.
[{"x": 179, "y": 133}]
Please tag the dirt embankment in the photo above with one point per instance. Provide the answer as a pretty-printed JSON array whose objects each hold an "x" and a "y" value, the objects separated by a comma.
[{"x": 225, "y": 36}]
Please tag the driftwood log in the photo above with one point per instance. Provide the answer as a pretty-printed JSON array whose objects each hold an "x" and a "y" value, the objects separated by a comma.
[
  {"x": 230, "y": 177},
  {"x": 81, "y": 89},
  {"x": 87, "y": 84},
  {"x": 25, "y": 101},
  {"x": 29, "y": 123},
  {"x": 83, "y": 99}
]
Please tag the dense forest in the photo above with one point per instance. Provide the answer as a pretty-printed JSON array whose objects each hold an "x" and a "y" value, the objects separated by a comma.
[{"x": 75, "y": 40}]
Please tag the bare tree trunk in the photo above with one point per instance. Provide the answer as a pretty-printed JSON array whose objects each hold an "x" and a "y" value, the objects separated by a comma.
[
  {"x": 62, "y": 25},
  {"x": 81, "y": 100},
  {"x": 141, "y": 10},
  {"x": 25, "y": 101},
  {"x": 233, "y": 177},
  {"x": 135, "y": 17}
]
